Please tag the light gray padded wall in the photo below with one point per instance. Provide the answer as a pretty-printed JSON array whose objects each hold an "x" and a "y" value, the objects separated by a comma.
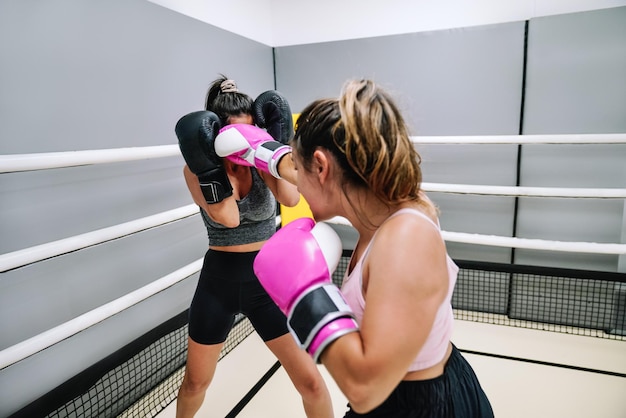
[
  {"x": 575, "y": 84},
  {"x": 84, "y": 75},
  {"x": 451, "y": 82},
  {"x": 469, "y": 82}
]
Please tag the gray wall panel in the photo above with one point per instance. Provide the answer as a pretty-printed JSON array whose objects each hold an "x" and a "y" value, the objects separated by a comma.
[
  {"x": 48, "y": 205},
  {"x": 105, "y": 74},
  {"x": 576, "y": 84},
  {"x": 576, "y": 73},
  {"x": 80, "y": 75},
  {"x": 62, "y": 288},
  {"x": 450, "y": 82},
  {"x": 469, "y": 82}
]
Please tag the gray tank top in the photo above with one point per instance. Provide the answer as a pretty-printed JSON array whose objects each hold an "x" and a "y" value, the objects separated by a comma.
[{"x": 257, "y": 217}]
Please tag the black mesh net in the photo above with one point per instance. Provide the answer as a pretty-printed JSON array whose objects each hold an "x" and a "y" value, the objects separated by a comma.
[
  {"x": 165, "y": 389},
  {"x": 558, "y": 300},
  {"x": 138, "y": 381},
  {"x": 589, "y": 303}
]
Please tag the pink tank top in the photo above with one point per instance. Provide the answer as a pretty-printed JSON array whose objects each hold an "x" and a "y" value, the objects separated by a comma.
[{"x": 436, "y": 345}]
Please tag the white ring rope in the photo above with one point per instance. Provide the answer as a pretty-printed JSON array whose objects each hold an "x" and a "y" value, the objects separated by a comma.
[
  {"x": 51, "y": 249},
  {"x": 581, "y": 193},
  {"x": 523, "y": 139},
  {"x": 20, "y": 258},
  {"x": 40, "y": 342},
  {"x": 526, "y": 243},
  {"x": 48, "y": 338},
  {"x": 33, "y": 345},
  {"x": 535, "y": 244},
  {"x": 41, "y": 161}
]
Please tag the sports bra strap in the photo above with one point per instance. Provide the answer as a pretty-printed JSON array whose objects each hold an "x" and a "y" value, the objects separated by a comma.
[
  {"x": 398, "y": 212},
  {"x": 414, "y": 211}
]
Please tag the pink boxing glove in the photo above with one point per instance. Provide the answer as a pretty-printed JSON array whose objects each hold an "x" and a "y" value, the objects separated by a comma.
[
  {"x": 250, "y": 145},
  {"x": 301, "y": 285}
]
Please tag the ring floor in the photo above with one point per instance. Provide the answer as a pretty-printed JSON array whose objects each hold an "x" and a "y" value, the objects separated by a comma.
[{"x": 525, "y": 373}]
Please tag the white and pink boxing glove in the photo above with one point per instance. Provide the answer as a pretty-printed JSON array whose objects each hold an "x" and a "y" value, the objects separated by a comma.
[
  {"x": 250, "y": 145},
  {"x": 301, "y": 284}
]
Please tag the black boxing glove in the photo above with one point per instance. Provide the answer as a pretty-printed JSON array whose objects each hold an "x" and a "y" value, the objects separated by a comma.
[
  {"x": 272, "y": 112},
  {"x": 196, "y": 134}
]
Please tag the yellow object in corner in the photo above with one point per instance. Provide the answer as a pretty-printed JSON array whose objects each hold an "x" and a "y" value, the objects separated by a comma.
[{"x": 301, "y": 210}]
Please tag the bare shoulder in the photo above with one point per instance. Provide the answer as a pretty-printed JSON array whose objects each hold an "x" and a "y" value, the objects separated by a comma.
[{"x": 409, "y": 241}]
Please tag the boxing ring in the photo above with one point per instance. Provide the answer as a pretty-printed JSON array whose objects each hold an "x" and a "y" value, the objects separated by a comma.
[{"x": 567, "y": 307}]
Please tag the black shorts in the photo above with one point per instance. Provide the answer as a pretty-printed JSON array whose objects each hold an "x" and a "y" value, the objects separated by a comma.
[
  {"x": 455, "y": 394},
  {"x": 228, "y": 286}
]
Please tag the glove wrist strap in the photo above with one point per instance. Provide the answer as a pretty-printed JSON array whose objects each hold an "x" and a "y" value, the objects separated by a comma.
[
  {"x": 215, "y": 186},
  {"x": 268, "y": 155},
  {"x": 314, "y": 310}
]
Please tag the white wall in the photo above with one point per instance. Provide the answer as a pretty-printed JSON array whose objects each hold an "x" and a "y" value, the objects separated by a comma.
[
  {"x": 295, "y": 22},
  {"x": 249, "y": 18}
]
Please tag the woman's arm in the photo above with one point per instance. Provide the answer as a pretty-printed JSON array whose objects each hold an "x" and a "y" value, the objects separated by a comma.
[
  {"x": 284, "y": 189},
  {"x": 407, "y": 279},
  {"x": 287, "y": 170},
  {"x": 225, "y": 212}
]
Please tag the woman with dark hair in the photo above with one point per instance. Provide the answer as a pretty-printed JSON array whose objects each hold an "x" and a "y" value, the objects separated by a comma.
[{"x": 238, "y": 207}]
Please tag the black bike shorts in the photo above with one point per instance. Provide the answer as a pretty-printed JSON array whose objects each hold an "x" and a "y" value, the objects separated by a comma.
[{"x": 228, "y": 286}]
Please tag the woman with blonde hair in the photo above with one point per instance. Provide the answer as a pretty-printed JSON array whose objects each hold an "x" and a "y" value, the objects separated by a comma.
[{"x": 385, "y": 336}]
